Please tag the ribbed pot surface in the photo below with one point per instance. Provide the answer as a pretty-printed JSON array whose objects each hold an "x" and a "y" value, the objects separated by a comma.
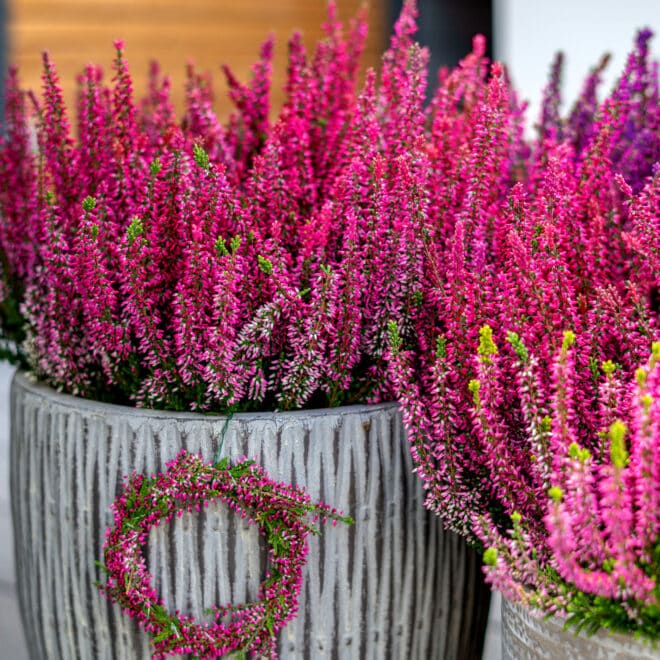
[
  {"x": 394, "y": 585},
  {"x": 527, "y": 637}
]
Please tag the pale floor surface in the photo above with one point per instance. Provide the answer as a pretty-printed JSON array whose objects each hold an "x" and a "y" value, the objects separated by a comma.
[{"x": 12, "y": 642}]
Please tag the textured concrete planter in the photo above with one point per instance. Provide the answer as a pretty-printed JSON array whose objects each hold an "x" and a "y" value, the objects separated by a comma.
[
  {"x": 525, "y": 637},
  {"x": 392, "y": 586}
]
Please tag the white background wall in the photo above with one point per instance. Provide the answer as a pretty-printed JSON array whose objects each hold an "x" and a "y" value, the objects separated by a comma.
[{"x": 527, "y": 34}]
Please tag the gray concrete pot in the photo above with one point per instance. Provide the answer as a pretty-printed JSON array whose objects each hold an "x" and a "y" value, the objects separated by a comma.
[
  {"x": 527, "y": 637},
  {"x": 394, "y": 585}
]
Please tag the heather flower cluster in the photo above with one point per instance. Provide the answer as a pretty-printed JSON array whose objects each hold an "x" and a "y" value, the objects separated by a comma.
[
  {"x": 194, "y": 265},
  {"x": 533, "y": 239},
  {"x": 527, "y": 422},
  {"x": 282, "y": 513},
  {"x": 592, "y": 548}
]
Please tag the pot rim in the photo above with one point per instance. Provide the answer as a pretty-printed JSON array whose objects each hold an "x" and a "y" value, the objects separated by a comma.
[
  {"x": 29, "y": 383},
  {"x": 602, "y": 635}
]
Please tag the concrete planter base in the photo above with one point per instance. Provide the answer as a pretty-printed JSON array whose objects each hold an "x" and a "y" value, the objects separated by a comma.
[
  {"x": 392, "y": 586},
  {"x": 526, "y": 637}
]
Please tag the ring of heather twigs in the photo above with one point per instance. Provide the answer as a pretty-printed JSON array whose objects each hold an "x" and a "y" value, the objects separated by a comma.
[{"x": 283, "y": 514}]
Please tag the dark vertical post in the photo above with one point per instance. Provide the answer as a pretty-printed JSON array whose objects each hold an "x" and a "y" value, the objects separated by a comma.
[{"x": 446, "y": 27}]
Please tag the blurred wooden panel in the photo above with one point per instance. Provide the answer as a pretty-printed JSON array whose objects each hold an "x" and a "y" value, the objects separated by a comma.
[{"x": 207, "y": 32}]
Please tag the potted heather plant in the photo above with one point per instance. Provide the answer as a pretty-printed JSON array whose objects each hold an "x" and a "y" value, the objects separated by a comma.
[
  {"x": 528, "y": 393},
  {"x": 184, "y": 294}
]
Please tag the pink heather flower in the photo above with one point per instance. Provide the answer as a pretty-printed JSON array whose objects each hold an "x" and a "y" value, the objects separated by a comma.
[
  {"x": 526, "y": 245},
  {"x": 600, "y": 528},
  {"x": 213, "y": 267}
]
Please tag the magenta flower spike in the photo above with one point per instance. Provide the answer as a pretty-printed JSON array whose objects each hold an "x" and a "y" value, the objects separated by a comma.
[
  {"x": 538, "y": 305},
  {"x": 196, "y": 265}
]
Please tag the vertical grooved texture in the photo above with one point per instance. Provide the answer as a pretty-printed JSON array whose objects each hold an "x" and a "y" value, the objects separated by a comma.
[
  {"x": 394, "y": 585},
  {"x": 526, "y": 637}
]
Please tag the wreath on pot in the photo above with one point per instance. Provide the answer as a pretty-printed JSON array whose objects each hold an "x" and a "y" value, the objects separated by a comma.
[{"x": 283, "y": 514}]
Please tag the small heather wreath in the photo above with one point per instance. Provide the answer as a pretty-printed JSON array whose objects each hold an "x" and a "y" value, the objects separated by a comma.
[{"x": 283, "y": 514}]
